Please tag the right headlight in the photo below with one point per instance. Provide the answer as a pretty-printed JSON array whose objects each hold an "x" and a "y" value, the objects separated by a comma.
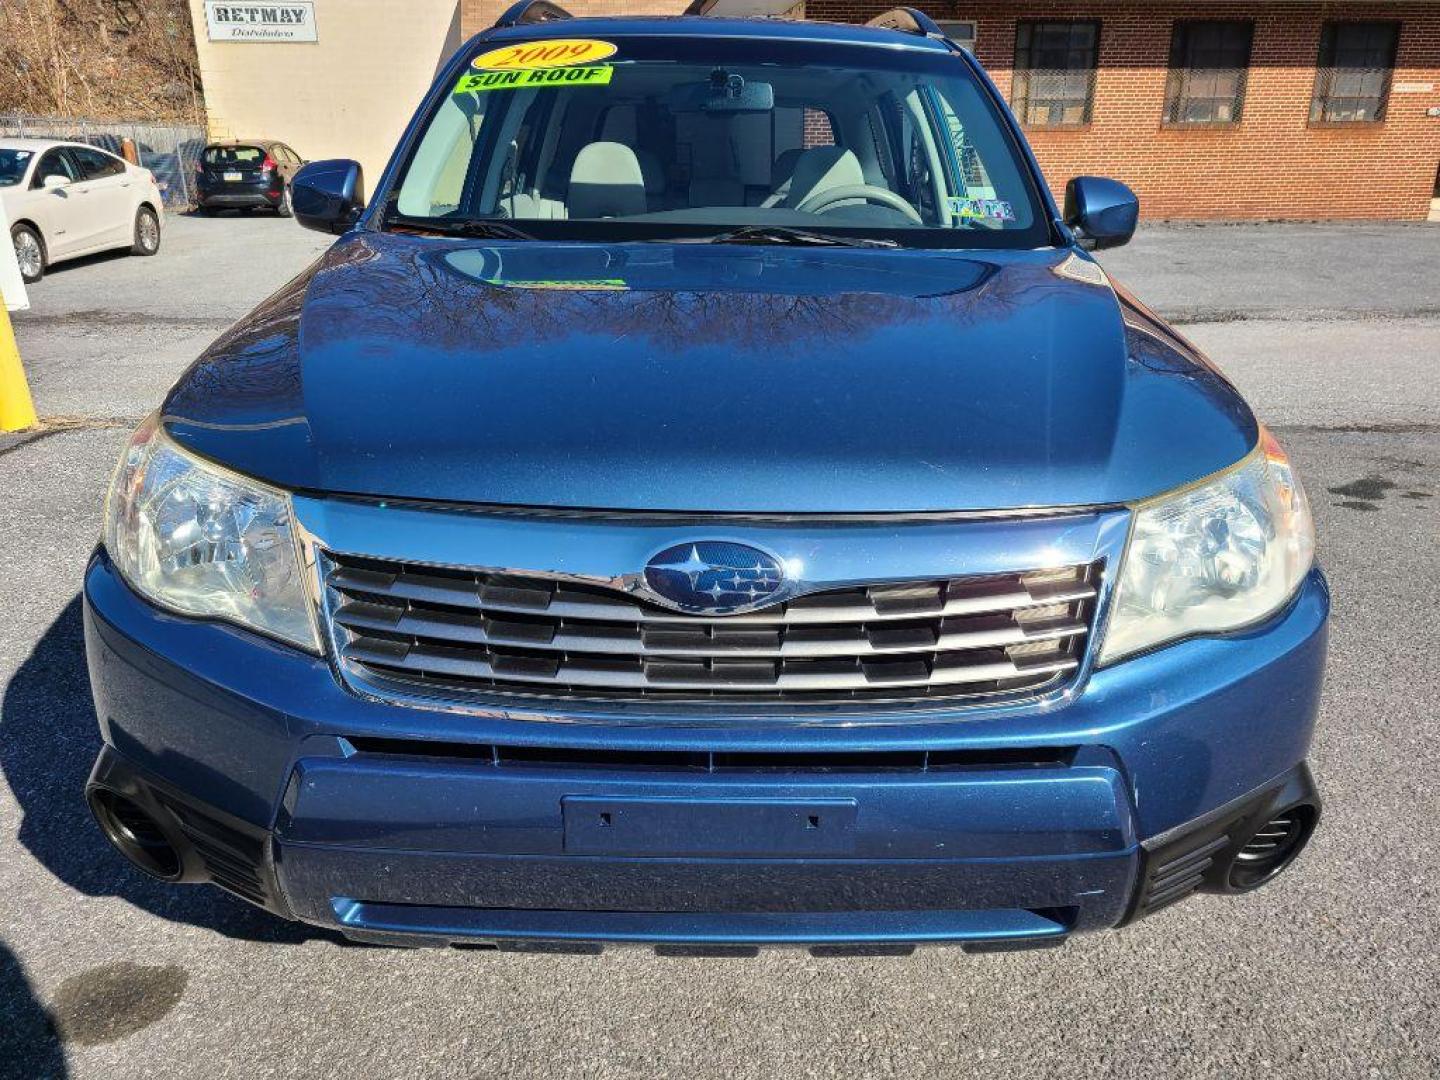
[
  {"x": 1216, "y": 556},
  {"x": 203, "y": 541}
]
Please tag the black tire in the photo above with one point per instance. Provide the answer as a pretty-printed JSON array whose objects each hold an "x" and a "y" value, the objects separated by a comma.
[
  {"x": 282, "y": 208},
  {"x": 29, "y": 252},
  {"x": 205, "y": 211},
  {"x": 147, "y": 232}
]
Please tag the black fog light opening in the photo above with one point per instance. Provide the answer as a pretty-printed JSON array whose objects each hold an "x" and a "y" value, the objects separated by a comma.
[
  {"x": 136, "y": 833},
  {"x": 1272, "y": 847}
]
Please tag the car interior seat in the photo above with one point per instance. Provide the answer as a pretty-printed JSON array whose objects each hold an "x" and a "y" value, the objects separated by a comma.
[
  {"x": 605, "y": 181},
  {"x": 781, "y": 170},
  {"x": 819, "y": 169}
]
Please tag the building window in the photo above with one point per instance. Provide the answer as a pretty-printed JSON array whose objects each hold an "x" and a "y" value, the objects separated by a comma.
[
  {"x": 1055, "y": 72},
  {"x": 1208, "y": 61},
  {"x": 1352, "y": 77},
  {"x": 959, "y": 31}
]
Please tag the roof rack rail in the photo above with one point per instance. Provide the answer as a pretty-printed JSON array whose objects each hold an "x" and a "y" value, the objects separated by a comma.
[
  {"x": 528, "y": 12},
  {"x": 908, "y": 20},
  {"x": 699, "y": 7}
]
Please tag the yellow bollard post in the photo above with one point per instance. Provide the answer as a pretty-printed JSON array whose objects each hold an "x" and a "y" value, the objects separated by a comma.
[{"x": 17, "y": 409}]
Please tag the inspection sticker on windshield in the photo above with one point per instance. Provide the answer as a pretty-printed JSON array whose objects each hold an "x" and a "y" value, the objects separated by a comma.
[
  {"x": 596, "y": 285},
  {"x": 564, "y": 52},
  {"x": 982, "y": 209},
  {"x": 535, "y": 78}
]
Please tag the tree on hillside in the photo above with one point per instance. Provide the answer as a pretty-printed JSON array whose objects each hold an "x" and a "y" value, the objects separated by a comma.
[{"x": 107, "y": 59}]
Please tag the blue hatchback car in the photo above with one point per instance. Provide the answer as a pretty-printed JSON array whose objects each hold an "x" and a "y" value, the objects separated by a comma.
[{"x": 709, "y": 497}]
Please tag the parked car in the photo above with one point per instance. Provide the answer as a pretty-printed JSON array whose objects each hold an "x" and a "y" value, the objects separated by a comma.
[
  {"x": 709, "y": 497},
  {"x": 249, "y": 174},
  {"x": 67, "y": 199}
]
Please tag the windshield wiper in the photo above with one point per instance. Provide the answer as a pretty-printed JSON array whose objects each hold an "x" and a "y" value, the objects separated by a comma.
[
  {"x": 494, "y": 229},
  {"x": 782, "y": 234},
  {"x": 476, "y": 227}
]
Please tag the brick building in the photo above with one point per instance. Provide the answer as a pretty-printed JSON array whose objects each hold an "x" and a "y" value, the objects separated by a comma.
[{"x": 1222, "y": 110}]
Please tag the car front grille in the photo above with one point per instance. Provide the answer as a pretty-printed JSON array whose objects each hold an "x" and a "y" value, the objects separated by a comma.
[{"x": 398, "y": 625}]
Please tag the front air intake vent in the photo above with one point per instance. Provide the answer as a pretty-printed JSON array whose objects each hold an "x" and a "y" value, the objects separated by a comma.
[
  {"x": 401, "y": 626},
  {"x": 1234, "y": 848},
  {"x": 1179, "y": 875},
  {"x": 232, "y": 859},
  {"x": 716, "y": 761}
]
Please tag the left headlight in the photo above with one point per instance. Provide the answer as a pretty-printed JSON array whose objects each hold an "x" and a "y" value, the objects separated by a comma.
[
  {"x": 1213, "y": 557},
  {"x": 200, "y": 540}
]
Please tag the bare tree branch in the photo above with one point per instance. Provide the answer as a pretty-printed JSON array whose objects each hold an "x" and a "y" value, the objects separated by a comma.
[{"x": 105, "y": 59}]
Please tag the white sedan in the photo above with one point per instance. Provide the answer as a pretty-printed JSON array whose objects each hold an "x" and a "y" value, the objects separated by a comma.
[{"x": 65, "y": 200}]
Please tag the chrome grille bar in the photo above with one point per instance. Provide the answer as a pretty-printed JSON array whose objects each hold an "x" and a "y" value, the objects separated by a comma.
[
  {"x": 473, "y": 631},
  {"x": 543, "y": 597},
  {"x": 479, "y": 664},
  {"x": 361, "y": 616}
]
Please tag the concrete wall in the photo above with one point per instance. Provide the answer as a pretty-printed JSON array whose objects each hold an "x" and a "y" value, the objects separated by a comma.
[{"x": 349, "y": 94}]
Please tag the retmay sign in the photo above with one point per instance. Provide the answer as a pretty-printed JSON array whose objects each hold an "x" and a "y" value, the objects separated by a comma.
[{"x": 294, "y": 21}]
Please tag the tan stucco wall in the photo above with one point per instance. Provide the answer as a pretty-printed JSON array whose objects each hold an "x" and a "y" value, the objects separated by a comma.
[{"x": 349, "y": 94}]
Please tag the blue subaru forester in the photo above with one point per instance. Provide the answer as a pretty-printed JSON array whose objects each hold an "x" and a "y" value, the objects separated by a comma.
[{"x": 709, "y": 497}]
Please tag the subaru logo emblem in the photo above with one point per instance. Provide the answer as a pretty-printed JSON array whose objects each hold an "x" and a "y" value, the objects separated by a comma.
[{"x": 715, "y": 577}]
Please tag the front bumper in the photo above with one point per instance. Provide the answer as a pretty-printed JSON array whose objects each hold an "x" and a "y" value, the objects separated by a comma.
[{"x": 412, "y": 825}]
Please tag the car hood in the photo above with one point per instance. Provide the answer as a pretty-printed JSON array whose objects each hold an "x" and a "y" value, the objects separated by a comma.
[{"x": 707, "y": 378}]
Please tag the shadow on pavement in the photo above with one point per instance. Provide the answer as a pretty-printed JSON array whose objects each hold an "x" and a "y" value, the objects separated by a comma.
[
  {"x": 97, "y": 259},
  {"x": 48, "y": 742},
  {"x": 29, "y": 1045}
]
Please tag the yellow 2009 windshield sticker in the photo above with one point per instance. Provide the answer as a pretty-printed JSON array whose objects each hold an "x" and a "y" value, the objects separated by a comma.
[
  {"x": 562, "y": 52},
  {"x": 534, "y": 79}
]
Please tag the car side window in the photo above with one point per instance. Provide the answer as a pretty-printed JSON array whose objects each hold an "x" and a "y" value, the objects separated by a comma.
[
  {"x": 54, "y": 163},
  {"x": 436, "y": 180},
  {"x": 96, "y": 165}
]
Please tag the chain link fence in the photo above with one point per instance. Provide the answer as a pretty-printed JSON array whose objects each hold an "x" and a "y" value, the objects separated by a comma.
[{"x": 170, "y": 151}]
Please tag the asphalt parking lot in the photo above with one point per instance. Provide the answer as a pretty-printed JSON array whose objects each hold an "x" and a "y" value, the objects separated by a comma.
[{"x": 1332, "y": 331}]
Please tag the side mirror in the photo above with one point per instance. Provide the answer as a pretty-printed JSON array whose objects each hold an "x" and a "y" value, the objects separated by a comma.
[
  {"x": 54, "y": 180},
  {"x": 1103, "y": 212},
  {"x": 327, "y": 196}
]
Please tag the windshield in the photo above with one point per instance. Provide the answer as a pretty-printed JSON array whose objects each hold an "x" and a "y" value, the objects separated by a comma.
[
  {"x": 13, "y": 164},
  {"x": 660, "y": 136}
]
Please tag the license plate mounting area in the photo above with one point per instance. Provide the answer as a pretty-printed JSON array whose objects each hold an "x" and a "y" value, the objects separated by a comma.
[{"x": 736, "y": 828}]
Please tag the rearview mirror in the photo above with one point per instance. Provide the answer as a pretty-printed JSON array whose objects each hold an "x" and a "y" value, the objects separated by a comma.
[
  {"x": 1103, "y": 212},
  {"x": 55, "y": 180},
  {"x": 723, "y": 93},
  {"x": 327, "y": 196}
]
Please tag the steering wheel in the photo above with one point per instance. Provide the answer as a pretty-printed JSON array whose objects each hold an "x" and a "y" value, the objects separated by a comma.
[{"x": 823, "y": 200}]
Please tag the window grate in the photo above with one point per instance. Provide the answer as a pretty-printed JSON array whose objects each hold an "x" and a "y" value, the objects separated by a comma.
[
  {"x": 1054, "y": 81},
  {"x": 1208, "y": 66},
  {"x": 1352, "y": 77}
]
